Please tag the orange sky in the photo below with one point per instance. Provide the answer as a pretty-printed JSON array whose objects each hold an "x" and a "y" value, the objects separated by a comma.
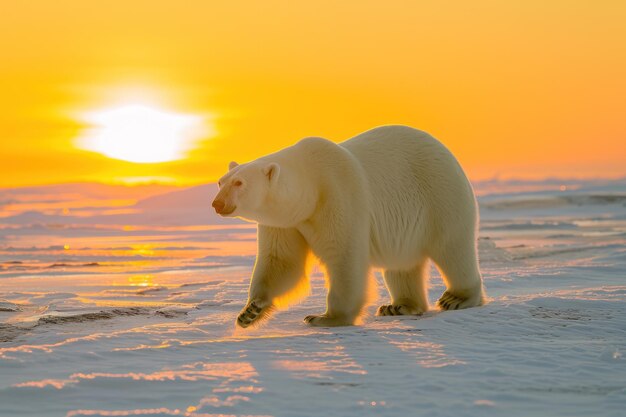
[{"x": 514, "y": 89}]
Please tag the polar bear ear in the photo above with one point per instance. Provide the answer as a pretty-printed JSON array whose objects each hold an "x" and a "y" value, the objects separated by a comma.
[
  {"x": 271, "y": 171},
  {"x": 232, "y": 165}
]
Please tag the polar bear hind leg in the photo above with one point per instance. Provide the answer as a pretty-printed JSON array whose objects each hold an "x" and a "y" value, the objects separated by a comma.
[
  {"x": 458, "y": 264},
  {"x": 407, "y": 290}
]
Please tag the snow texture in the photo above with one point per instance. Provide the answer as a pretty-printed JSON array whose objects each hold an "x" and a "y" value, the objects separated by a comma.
[{"x": 111, "y": 306}]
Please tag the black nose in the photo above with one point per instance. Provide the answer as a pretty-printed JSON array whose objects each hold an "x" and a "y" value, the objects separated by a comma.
[{"x": 218, "y": 205}]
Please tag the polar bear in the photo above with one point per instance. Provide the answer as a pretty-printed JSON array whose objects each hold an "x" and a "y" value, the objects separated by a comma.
[{"x": 392, "y": 198}]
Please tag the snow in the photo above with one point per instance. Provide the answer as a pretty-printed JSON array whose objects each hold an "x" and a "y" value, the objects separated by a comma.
[{"x": 108, "y": 313}]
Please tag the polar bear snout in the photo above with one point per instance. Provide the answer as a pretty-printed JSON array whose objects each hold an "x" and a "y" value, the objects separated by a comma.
[
  {"x": 221, "y": 208},
  {"x": 218, "y": 205}
]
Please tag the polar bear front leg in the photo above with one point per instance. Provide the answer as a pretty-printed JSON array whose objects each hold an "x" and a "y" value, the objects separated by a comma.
[
  {"x": 279, "y": 273},
  {"x": 254, "y": 312},
  {"x": 347, "y": 290},
  {"x": 407, "y": 290}
]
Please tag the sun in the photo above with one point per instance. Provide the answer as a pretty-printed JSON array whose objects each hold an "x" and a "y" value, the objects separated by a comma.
[{"x": 142, "y": 134}]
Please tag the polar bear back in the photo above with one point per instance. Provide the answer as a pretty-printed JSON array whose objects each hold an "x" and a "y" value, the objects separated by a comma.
[{"x": 419, "y": 195}]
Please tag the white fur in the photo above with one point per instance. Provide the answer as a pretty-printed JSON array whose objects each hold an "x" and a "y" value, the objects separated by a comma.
[{"x": 391, "y": 198}]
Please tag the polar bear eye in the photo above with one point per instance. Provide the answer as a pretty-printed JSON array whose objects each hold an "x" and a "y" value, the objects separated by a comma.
[{"x": 237, "y": 183}]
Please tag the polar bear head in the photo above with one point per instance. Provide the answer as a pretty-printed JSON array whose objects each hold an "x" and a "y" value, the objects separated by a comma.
[{"x": 245, "y": 190}]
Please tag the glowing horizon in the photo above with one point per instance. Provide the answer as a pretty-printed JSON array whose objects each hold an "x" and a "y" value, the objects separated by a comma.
[{"x": 529, "y": 90}]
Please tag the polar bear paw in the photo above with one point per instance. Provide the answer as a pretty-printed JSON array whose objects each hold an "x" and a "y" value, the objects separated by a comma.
[
  {"x": 398, "y": 310},
  {"x": 326, "y": 321},
  {"x": 449, "y": 301},
  {"x": 253, "y": 313}
]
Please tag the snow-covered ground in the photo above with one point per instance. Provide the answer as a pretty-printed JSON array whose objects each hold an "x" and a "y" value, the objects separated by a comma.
[{"x": 117, "y": 302}]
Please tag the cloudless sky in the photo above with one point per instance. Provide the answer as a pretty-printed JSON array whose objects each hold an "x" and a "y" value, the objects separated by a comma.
[{"x": 513, "y": 88}]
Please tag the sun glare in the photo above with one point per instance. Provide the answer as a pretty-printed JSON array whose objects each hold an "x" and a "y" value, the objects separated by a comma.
[{"x": 138, "y": 133}]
